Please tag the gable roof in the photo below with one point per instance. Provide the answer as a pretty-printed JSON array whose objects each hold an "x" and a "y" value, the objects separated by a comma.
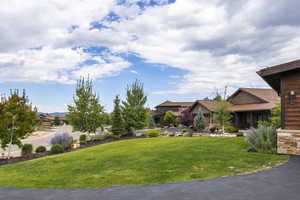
[
  {"x": 272, "y": 74},
  {"x": 175, "y": 104},
  {"x": 210, "y": 105},
  {"x": 264, "y": 94},
  {"x": 268, "y": 96}
]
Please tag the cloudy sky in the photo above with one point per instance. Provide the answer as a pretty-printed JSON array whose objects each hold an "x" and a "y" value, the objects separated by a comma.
[{"x": 181, "y": 50}]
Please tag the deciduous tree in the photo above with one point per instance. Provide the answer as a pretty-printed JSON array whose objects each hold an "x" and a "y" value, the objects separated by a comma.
[
  {"x": 222, "y": 113},
  {"x": 18, "y": 119}
]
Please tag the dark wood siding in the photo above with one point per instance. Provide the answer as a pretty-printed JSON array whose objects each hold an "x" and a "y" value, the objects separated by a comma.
[
  {"x": 245, "y": 98},
  {"x": 291, "y": 116}
]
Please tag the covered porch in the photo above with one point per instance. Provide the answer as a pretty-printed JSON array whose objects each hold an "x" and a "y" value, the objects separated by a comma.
[{"x": 248, "y": 119}]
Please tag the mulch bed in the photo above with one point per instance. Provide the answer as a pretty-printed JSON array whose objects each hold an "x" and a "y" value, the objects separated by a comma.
[{"x": 39, "y": 155}]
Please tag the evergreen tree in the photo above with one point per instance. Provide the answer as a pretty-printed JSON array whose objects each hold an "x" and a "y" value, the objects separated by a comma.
[
  {"x": 116, "y": 118},
  {"x": 134, "y": 111},
  {"x": 222, "y": 113},
  {"x": 87, "y": 113},
  {"x": 18, "y": 119},
  {"x": 199, "y": 121}
]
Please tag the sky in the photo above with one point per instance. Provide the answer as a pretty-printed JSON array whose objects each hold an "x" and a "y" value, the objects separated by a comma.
[{"x": 180, "y": 50}]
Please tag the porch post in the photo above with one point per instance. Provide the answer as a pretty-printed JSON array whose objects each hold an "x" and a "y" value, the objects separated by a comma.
[
  {"x": 236, "y": 120},
  {"x": 251, "y": 120}
]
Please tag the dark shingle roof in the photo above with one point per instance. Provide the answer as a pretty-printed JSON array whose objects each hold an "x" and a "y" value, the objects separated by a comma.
[{"x": 175, "y": 104}]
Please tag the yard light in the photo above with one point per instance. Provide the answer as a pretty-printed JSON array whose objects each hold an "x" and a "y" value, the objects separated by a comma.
[{"x": 292, "y": 97}]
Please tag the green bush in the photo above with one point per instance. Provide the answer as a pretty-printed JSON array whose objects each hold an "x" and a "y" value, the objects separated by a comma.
[
  {"x": 82, "y": 139},
  {"x": 153, "y": 133},
  {"x": 184, "y": 130},
  {"x": 239, "y": 134},
  {"x": 40, "y": 149},
  {"x": 231, "y": 129},
  {"x": 171, "y": 134},
  {"x": 97, "y": 138},
  {"x": 26, "y": 149},
  {"x": 110, "y": 136},
  {"x": 57, "y": 148},
  {"x": 263, "y": 139}
]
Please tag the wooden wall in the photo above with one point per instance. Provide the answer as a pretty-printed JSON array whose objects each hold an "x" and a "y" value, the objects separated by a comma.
[
  {"x": 290, "y": 112},
  {"x": 244, "y": 98}
]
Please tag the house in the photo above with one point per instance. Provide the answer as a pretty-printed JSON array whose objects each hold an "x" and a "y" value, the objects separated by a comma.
[
  {"x": 49, "y": 120},
  {"x": 207, "y": 107},
  {"x": 176, "y": 107},
  {"x": 285, "y": 80},
  {"x": 46, "y": 119},
  {"x": 251, "y": 105}
]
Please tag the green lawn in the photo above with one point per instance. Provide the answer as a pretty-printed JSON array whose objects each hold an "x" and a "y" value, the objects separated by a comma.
[{"x": 139, "y": 161}]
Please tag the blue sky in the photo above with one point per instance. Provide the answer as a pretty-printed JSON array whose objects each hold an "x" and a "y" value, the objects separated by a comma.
[{"x": 181, "y": 50}]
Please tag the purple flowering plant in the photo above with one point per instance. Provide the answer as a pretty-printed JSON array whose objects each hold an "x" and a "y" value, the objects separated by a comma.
[{"x": 63, "y": 139}]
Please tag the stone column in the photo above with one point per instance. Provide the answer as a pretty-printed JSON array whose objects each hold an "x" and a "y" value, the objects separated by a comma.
[{"x": 288, "y": 142}]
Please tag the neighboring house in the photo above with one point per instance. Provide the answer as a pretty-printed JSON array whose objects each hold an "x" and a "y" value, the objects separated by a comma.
[
  {"x": 176, "y": 107},
  {"x": 207, "y": 107},
  {"x": 250, "y": 105},
  {"x": 48, "y": 120}
]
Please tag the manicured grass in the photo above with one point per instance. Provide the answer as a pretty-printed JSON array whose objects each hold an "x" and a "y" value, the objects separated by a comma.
[{"x": 139, "y": 161}]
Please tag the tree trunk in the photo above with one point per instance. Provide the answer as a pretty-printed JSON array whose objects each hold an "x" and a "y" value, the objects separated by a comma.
[{"x": 11, "y": 138}]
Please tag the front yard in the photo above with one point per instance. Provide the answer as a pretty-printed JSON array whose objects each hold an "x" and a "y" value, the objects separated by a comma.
[{"x": 138, "y": 161}]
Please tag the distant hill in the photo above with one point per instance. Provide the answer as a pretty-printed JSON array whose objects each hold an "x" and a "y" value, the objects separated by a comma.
[{"x": 55, "y": 114}]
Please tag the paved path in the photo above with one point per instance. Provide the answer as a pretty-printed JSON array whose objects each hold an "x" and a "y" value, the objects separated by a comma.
[{"x": 279, "y": 183}]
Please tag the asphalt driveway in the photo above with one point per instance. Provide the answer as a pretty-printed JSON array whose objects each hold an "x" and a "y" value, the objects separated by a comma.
[{"x": 282, "y": 182}]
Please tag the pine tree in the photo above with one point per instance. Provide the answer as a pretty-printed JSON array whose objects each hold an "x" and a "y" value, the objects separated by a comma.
[
  {"x": 222, "y": 113},
  {"x": 134, "y": 111},
  {"x": 18, "y": 119},
  {"x": 199, "y": 121},
  {"x": 87, "y": 113},
  {"x": 117, "y": 120}
]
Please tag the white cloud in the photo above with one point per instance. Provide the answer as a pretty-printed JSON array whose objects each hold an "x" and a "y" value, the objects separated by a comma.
[
  {"x": 133, "y": 71},
  {"x": 216, "y": 42},
  {"x": 62, "y": 65}
]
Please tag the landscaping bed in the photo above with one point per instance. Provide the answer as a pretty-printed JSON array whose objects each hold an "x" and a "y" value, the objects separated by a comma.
[
  {"x": 5, "y": 161},
  {"x": 139, "y": 161}
]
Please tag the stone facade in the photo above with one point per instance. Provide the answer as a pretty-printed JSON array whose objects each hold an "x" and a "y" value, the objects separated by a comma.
[{"x": 288, "y": 142}]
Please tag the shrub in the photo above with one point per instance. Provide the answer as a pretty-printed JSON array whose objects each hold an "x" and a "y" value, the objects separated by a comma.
[
  {"x": 110, "y": 136},
  {"x": 184, "y": 130},
  {"x": 239, "y": 134},
  {"x": 65, "y": 140},
  {"x": 82, "y": 139},
  {"x": 97, "y": 137},
  {"x": 153, "y": 133},
  {"x": 131, "y": 131},
  {"x": 40, "y": 149},
  {"x": 171, "y": 134},
  {"x": 26, "y": 149},
  {"x": 231, "y": 129},
  {"x": 57, "y": 148},
  {"x": 263, "y": 139}
]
